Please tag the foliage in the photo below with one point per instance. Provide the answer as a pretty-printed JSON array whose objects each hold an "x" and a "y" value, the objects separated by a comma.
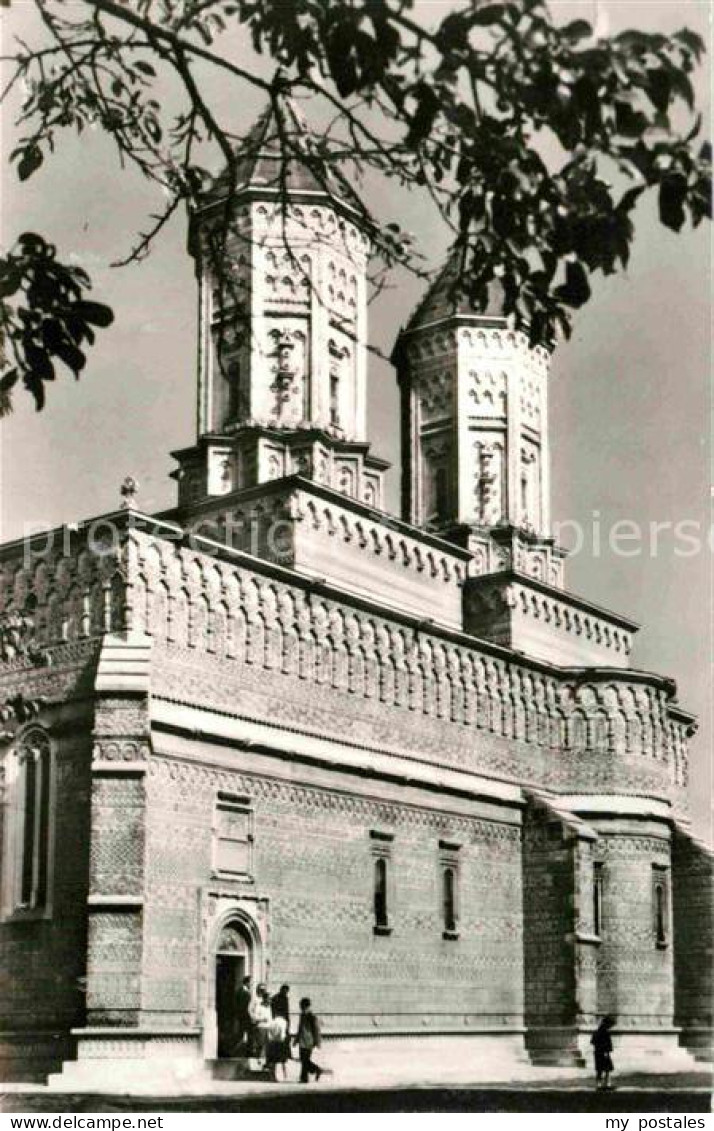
[
  {"x": 464, "y": 111},
  {"x": 44, "y": 317}
]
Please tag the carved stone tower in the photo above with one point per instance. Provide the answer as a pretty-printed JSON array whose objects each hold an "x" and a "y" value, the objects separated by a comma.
[
  {"x": 475, "y": 459},
  {"x": 282, "y": 326}
]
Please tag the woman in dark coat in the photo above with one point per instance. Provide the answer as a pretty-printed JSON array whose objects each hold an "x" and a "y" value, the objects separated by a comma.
[{"x": 602, "y": 1047}]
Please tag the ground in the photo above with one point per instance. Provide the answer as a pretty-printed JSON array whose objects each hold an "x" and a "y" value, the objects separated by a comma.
[{"x": 644, "y": 1092}]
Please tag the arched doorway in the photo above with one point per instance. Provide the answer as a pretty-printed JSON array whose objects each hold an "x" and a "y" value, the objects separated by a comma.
[{"x": 234, "y": 961}]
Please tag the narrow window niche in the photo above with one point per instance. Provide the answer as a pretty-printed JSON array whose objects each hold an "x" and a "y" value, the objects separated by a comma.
[
  {"x": 382, "y": 881},
  {"x": 449, "y": 882},
  {"x": 598, "y": 894},
  {"x": 27, "y": 849},
  {"x": 660, "y": 905}
]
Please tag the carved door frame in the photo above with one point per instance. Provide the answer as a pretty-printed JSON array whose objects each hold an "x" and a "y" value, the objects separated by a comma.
[{"x": 220, "y": 908}]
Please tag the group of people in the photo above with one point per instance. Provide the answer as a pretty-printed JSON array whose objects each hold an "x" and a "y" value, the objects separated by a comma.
[
  {"x": 263, "y": 1033},
  {"x": 263, "y": 1030}
]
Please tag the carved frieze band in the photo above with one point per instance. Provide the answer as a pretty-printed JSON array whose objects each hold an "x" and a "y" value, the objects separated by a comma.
[{"x": 192, "y": 601}]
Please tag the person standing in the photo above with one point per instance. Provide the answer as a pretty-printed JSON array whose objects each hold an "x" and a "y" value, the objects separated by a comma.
[
  {"x": 261, "y": 1017},
  {"x": 276, "y": 1049},
  {"x": 308, "y": 1038},
  {"x": 244, "y": 1024},
  {"x": 280, "y": 1005},
  {"x": 602, "y": 1048}
]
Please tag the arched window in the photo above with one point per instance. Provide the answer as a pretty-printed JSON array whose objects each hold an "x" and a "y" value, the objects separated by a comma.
[
  {"x": 335, "y": 398},
  {"x": 237, "y": 398},
  {"x": 27, "y": 840},
  {"x": 660, "y": 905},
  {"x": 381, "y": 907},
  {"x": 449, "y": 877},
  {"x": 449, "y": 893},
  {"x": 524, "y": 494},
  {"x": 441, "y": 491},
  {"x": 597, "y": 898}
]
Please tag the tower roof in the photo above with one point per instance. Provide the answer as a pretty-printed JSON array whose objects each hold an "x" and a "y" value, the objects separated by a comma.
[
  {"x": 444, "y": 299},
  {"x": 309, "y": 168}
]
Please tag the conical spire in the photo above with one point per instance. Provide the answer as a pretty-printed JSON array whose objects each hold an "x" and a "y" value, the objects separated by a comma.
[
  {"x": 308, "y": 169},
  {"x": 445, "y": 299}
]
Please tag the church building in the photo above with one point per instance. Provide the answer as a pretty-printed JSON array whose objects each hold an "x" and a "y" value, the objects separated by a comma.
[{"x": 390, "y": 761}]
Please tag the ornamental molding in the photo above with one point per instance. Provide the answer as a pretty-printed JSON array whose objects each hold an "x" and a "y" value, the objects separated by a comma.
[
  {"x": 242, "y": 621},
  {"x": 201, "y": 781}
]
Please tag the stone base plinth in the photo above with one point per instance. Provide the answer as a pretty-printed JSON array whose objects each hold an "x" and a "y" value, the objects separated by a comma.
[
  {"x": 698, "y": 1041},
  {"x": 132, "y": 1059},
  {"x": 632, "y": 1049},
  {"x": 554, "y": 1044},
  {"x": 30, "y": 1057},
  {"x": 139, "y": 1061}
]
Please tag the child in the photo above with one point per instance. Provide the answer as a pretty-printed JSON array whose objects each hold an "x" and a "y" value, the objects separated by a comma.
[{"x": 277, "y": 1051}]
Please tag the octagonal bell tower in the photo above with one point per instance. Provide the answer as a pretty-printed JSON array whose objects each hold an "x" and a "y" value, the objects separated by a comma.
[
  {"x": 282, "y": 362},
  {"x": 475, "y": 453}
]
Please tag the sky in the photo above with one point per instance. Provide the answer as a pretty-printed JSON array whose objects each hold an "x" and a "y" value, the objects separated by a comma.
[{"x": 629, "y": 394}]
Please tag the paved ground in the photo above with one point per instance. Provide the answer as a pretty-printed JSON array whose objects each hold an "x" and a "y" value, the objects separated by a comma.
[{"x": 643, "y": 1092}]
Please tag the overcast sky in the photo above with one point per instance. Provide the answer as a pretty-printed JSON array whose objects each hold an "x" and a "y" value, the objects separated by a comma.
[{"x": 630, "y": 393}]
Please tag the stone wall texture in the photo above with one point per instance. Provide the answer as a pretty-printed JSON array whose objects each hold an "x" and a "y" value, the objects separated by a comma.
[
  {"x": 634, "y": 972},
  {"x": 42, "y": 959},
  {"x": 313, "y": 862},
  {"x": 693, "y": 926},
  {"x": 237, "y": 644}
]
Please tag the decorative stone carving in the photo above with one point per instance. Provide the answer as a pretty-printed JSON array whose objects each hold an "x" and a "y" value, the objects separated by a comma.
[
  {"x": 17, "y": 638},
  {"x": 489, "y": 483},
  {"x": 288, "y": 372}
]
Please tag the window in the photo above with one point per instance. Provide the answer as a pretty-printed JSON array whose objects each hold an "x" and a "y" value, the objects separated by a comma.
[
  {"x": 27, "y": 855},
  {"x": 449, "y": 876},
  {"x": 598, "y": 876},
  {"x": 441, "y": 492},
  {"x": 381, "y": 918},
  {"x": 233, "y": 829},
  {"x": 335, "y": 399},
  {"x": 382, "y": 885},
  {"x": 524, "y": 494},
  {"x": 660, "y": 905},
  {"x": 449, "y": 900},
  {"x": 237, "y": 406}
]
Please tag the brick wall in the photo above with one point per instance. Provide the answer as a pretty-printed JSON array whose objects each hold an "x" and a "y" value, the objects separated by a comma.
[
  {"x": 548, "y": 891},
  {"x": 634, "y": 972},
  {"x": 313, "y": 862},
  {"x": 42, "y": 959}
]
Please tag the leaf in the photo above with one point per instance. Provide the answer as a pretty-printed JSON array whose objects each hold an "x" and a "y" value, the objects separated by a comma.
[
  {"x": 428, "y": 105},
  {"x": 29, "y": 162},
  {"x": 691, "y": 41},
  {"x": 659, "y": 88},
  {"x": 10, "y": 279},
  {"x": 576, "y": 289},
  {"x": 578, "y": 29},
  {"x": 73, "y": 358},
  {"x": 39, "y": 362},
  {"x": 490, "y": 14},
  {"x": 94, "y": 312},
  {"x": 144, "y": 68},
  {"x": 8, "y": 380},
  {"x": 672, "y": 194},
  {"x": 630, "y": 198},
  {"x": 35, "y": 386},
  {"x": 629, "y": 122}
]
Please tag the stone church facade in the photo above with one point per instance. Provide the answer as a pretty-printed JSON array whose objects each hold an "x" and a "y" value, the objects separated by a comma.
[{"x": 392, "y": 762}]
